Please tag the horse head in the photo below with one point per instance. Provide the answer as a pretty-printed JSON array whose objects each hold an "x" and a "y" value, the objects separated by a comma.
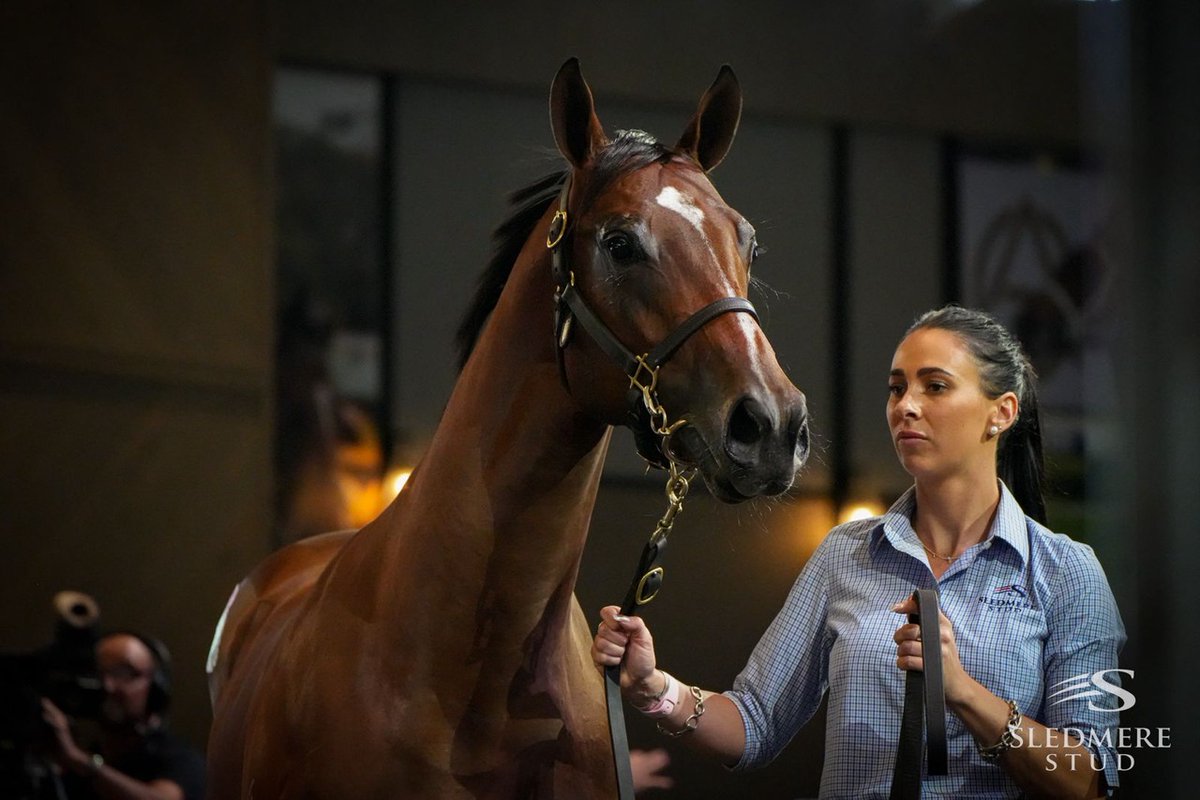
[{"x": 655, "y": 263}]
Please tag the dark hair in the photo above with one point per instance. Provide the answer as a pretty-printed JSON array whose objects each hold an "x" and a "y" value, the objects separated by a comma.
[{"x": 1003, "y": 367}]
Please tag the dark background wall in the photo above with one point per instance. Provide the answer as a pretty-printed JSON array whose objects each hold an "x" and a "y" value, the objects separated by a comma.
[
  {"x": 136, "y": 317},
  {"x": 137, "y": 298}
]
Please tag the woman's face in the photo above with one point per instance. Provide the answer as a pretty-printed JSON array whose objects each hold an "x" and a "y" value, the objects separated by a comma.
[{"x": 937, "y": 411}]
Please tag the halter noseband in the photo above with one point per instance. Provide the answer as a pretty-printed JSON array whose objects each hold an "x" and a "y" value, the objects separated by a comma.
[{"x": 642, "y": 371}]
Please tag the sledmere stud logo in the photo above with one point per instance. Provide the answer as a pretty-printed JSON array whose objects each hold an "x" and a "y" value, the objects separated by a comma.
[
  {"x": 1006, "y": 598},
  {"x": 1080, "y": 686},
  {"x": 1086, "y": 688}
]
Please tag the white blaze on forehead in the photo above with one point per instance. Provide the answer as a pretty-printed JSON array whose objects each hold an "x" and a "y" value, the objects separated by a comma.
[
  {"x": 672, "y": 199},
  {"x": 683, "y": 205},
  {"x": 675, "y": 200}
]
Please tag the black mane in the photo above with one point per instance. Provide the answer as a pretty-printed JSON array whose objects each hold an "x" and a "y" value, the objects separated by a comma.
[{"x": 631, "y": 150}]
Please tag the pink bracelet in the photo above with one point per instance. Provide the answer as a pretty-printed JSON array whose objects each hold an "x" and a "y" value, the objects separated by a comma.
[{"x": 664, "y": 705}]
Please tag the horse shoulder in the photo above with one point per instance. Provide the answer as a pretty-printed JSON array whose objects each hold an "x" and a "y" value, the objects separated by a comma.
[{"x": 276, "y": 582}]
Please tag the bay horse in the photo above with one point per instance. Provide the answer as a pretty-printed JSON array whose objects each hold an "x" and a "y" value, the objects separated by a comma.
[{"x": 439, "y": 652}]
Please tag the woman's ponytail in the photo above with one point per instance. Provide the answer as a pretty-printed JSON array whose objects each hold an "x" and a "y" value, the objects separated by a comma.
[{"x": 1019, "y": 461}]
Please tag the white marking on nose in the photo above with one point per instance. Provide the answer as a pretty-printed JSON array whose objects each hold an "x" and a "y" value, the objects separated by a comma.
[
  {"x": 675, "y": 200},
  {"x": 751, "y": 331}
]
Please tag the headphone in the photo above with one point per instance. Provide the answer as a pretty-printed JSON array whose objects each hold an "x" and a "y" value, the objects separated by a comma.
[{"x": 158, "y": 699}]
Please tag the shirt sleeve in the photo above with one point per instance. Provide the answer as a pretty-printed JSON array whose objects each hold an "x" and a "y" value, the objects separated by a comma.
[
  {"x": 781, "y": 685},
  {"x": 1085, "y": 636}
]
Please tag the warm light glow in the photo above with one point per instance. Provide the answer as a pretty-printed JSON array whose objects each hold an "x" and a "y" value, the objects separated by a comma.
[
  {"x": 808, "y": 519},
  {"x": 860, "y": 511},
  {"x": 396, "y": 480}
]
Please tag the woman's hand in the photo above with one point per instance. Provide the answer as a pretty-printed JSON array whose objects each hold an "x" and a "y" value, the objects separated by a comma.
[
  {"x": 910, "y": 652},
  {"x": 627, "y": 641}
]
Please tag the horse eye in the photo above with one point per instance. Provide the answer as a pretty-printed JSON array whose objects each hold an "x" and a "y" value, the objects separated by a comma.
[
  {"x": 757, "y": 252},
  {"x": 621, "y": 248}
]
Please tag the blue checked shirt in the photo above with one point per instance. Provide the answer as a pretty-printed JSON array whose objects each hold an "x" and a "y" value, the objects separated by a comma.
[{"x": 1030, "y": 609}]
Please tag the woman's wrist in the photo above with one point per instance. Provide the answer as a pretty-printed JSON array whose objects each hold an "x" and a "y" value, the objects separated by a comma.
[
  {"x": 662, "y": 704},
  {"x": 649, "y": 690},
  {"x": 965, "y": 694}
]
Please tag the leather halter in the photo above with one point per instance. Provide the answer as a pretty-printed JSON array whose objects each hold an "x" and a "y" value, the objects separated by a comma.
[{"x": 642, "y": 370}]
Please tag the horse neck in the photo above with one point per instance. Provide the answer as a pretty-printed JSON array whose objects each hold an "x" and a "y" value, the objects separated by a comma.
[{"x": 494, "y": 519}]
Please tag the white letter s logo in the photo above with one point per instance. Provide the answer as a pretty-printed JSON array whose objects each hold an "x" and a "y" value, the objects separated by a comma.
[{"x": 1127, "y": 698}]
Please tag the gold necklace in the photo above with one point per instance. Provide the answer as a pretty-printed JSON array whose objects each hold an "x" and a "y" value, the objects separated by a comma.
[{"x": 947, "y": 559}]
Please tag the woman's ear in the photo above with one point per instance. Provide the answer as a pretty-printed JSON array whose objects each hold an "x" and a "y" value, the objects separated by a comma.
[{"x": 1005, "y": 410}]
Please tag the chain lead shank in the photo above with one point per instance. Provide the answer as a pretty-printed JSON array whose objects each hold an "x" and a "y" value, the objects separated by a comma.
[{"x": 647, "y": 580}]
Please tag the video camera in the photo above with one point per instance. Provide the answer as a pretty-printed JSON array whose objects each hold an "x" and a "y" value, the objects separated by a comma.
[{"x": 63, "y": 671}]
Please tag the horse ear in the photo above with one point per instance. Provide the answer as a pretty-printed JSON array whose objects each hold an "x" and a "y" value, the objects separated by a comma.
[
  {"x": 577, "y": 130},
  {"x": 711, "y": 131}
]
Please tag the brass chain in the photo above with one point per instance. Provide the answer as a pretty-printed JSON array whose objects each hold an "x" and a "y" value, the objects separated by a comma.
[
  {"x": 678, "y": 481},
  {"x": 679, "y": 476}
]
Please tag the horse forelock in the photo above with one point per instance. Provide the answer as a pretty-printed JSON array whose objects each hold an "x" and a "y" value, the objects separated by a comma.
[{"x": 629, "y": 151}]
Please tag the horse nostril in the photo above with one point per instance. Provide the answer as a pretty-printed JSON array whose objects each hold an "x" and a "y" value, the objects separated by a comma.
[
  {"x": 798, "y": 431},
  {"x": 748, "y": 423},
  {"x": 802, "y": 439}
]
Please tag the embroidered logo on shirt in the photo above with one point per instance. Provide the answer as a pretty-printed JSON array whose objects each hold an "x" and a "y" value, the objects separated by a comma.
[{"x": 1009, "y": 596}]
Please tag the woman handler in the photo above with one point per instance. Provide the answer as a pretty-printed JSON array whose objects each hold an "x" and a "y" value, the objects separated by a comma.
[{"x": 1028, "y": 617}]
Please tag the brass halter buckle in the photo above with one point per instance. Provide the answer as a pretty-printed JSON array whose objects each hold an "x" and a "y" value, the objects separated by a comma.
[
  {"x": 558, "y": 227},
  {"x": 645, "y": 386}
]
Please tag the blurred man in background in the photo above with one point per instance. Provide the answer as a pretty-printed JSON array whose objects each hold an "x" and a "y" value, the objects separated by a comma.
[{"x": 134, "y": 755}]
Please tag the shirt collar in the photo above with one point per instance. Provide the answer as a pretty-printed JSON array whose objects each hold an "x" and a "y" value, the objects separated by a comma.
[
  {"x": 896, "y": 525},
  {"x": 1009, "y": 525}
]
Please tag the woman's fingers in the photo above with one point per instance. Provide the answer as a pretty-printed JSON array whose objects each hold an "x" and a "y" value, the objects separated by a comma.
[
  {"x": 909, "y": 631},
  {"x": 624, "y": 640},
  {"x": 609, "y": 647},
  {"x": 908, "y": 638},
  {"x": 906, "y": 606},
  {"x": 613, "y": 636}
]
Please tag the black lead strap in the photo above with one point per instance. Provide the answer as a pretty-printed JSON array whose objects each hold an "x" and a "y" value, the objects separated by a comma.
[
  {"x": 923, "y": 697},
  {"x": 647, "y": 580},
  {"x": 620, "y": 739}
]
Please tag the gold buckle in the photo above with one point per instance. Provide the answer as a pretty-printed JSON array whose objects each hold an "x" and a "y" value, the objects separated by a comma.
[
  {"x": 637, "y": 374},
  {"x": 638, "y": 596},
  {"x": 558, "y": 227}
]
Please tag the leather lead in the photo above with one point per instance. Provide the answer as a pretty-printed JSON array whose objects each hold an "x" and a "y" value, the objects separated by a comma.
[{"x": 924, "y": 707}]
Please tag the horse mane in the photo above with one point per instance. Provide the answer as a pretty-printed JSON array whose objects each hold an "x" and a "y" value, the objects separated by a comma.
[{"x": 629, "y": 151}]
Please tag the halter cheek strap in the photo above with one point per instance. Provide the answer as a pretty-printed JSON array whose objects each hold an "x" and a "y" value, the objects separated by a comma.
[{"x": 642, "y": 370}]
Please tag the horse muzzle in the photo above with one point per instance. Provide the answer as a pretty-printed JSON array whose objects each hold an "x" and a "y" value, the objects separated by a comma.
[{"x": 759, "y": 447}]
